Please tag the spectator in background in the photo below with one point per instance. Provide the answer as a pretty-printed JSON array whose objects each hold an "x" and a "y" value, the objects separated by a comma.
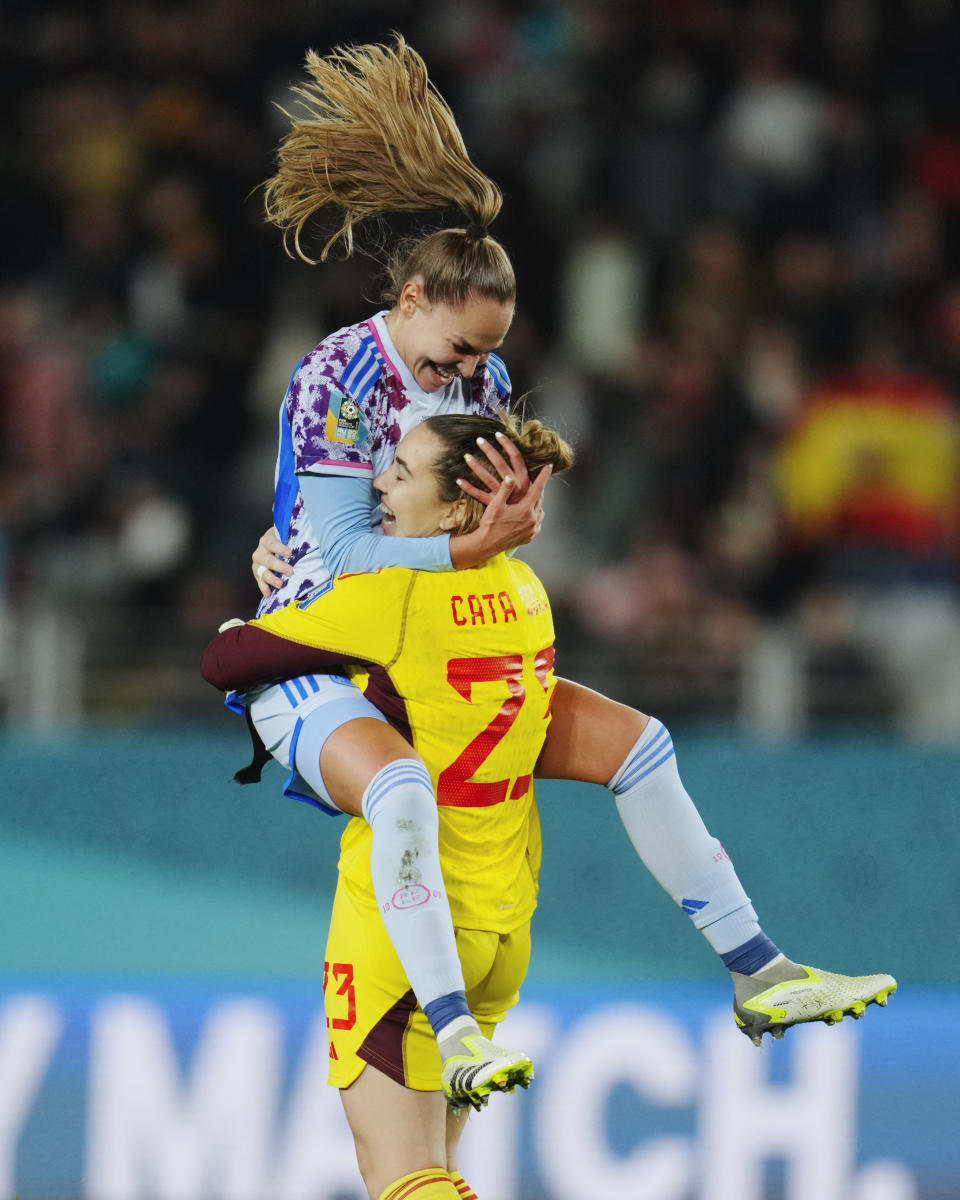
[
  {"x": 869, "y": 480},
  {"x": 772, "y": 132}
]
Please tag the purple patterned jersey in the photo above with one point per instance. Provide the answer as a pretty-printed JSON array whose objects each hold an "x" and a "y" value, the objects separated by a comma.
[{"x": 349, "y": 403}]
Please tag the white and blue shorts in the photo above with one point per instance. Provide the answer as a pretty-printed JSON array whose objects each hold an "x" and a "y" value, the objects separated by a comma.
[{"x": 301, "y": 714}]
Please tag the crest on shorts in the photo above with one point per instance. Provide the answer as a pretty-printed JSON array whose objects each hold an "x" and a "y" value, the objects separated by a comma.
[{"x": 345, "y": 423}]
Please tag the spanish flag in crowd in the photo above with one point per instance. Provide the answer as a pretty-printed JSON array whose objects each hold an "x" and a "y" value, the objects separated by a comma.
[{"x": 874, "y": 461}]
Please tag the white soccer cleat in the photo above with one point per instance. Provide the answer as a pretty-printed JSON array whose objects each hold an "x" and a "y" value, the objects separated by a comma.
[
  {"x": 789, "y": 994},
  {"x": 473, "y": 1067}
]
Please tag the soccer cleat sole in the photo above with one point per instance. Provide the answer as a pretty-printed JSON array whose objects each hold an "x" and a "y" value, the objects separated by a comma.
[
  {"x": 507, "y": 1079},
  {"x": 776, "y": 1023}
]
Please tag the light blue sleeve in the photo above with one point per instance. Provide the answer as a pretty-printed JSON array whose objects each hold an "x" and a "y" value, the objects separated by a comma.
[{"x": 339, "y": 511}]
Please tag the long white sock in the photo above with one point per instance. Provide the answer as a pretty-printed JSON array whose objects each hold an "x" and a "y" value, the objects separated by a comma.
[
  {"x": 669, "y": 835},
  {"x": 401, "y": 809}
]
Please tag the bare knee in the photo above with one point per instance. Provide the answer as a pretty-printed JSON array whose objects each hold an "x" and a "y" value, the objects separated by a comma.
[
  {"x": 590, "y": 735},
  {"x": 354, "y": 753},
  {"x": 396, "y": 1130}
]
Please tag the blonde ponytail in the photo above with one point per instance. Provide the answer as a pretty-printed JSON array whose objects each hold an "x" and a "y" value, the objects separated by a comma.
[{"x": 375, "y": 137}]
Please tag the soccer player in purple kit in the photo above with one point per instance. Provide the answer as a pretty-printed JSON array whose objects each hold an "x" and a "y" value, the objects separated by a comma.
[
  {"x": 377, "y": 138},
  {"x": 373, "y": 119}
]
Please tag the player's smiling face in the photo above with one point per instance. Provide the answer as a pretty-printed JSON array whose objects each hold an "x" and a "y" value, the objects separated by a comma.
[
  {"x": 410, "y": 500},
  {"x": 438, "y": 342}
]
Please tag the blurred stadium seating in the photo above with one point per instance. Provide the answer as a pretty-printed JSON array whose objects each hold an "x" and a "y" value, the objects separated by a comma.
[{"x": 717, "y": 210}]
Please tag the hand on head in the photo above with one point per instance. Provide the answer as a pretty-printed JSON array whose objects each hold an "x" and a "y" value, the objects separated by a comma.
[
  {"x": 515, "y": 469},
  {"x": 514, "y": 502}
]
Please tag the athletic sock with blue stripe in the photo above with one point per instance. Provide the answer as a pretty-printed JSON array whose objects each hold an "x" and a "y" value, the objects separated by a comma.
[{"x": 669, "y": 835}]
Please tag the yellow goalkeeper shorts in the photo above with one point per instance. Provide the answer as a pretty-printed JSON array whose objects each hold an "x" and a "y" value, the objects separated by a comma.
[{"x": 372, "y": 1014}]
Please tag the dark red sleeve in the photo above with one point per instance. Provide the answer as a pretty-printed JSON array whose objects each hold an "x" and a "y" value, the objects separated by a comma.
[{"x": 245, "y": 656}]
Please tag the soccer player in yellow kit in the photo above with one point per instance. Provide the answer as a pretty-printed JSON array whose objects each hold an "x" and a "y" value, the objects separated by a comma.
[{"x": 462, "y": 663}]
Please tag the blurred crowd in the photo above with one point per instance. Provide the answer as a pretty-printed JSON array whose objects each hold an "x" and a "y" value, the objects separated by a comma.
[{"x": 735, "y": 227}]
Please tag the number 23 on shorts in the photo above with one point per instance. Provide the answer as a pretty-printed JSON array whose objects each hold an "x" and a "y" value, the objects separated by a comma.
[{"x": 342, "y": 974}]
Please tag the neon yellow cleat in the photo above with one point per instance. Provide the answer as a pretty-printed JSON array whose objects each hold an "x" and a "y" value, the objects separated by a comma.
[
  {"x": 788, "y": 994},
  {"x": 481, "y": 1067}
]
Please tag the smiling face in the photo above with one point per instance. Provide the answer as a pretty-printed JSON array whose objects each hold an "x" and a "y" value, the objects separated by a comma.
[
  {"x": 438, "y": 342},
  {"x": 410, "y": 499}
]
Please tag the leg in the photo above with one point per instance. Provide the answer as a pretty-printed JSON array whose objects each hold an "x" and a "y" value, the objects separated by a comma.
[
  {"x": 398, "y": 803},
  {"x": 397, "y": 1132},
  {"x": 382, "y": 1054},
  {"x": 350, "y": 757},
  {"x": 591, "y": 735},
  {"x": 456, "y": 1124},
  {"x": 370, "y": 770},
  {"x": 595, "y": 736},
  {"x": 495, "y": 966},
  {"x": 345, "y": 757}
]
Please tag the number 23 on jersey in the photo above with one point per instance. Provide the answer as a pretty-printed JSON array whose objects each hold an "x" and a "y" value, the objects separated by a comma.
[{"x": 519, "y": 725}]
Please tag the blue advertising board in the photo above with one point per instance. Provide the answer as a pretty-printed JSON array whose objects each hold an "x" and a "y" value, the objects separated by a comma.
[{"x": 164, "y": 1089}]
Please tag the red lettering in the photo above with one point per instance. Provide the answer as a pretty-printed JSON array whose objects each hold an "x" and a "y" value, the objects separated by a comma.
[
  {"x": 456, "y": 786},
  {"x": 343, "y": 974},
  {"x": 542, "y": 665},
  {"x": 476, "y": 609},
  {"x": 457, "y": 619},
  {"x": 506, "y": 606},
  {"x": 488, "y": 596}
]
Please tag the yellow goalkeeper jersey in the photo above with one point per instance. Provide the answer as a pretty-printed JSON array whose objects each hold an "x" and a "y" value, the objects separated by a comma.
[{"x": 463, "y": 662}]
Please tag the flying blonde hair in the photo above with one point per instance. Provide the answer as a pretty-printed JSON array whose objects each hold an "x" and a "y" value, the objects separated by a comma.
[{"x": 375, "y": 137}]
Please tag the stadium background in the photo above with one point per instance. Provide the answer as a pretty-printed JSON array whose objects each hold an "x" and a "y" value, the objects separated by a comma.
[{"x": 735, "y": 230}]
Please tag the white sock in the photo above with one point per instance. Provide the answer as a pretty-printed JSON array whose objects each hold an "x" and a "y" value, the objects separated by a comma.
[
  {"x": 401, "y": 809},
  {"x": 669, "y": 835}
]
